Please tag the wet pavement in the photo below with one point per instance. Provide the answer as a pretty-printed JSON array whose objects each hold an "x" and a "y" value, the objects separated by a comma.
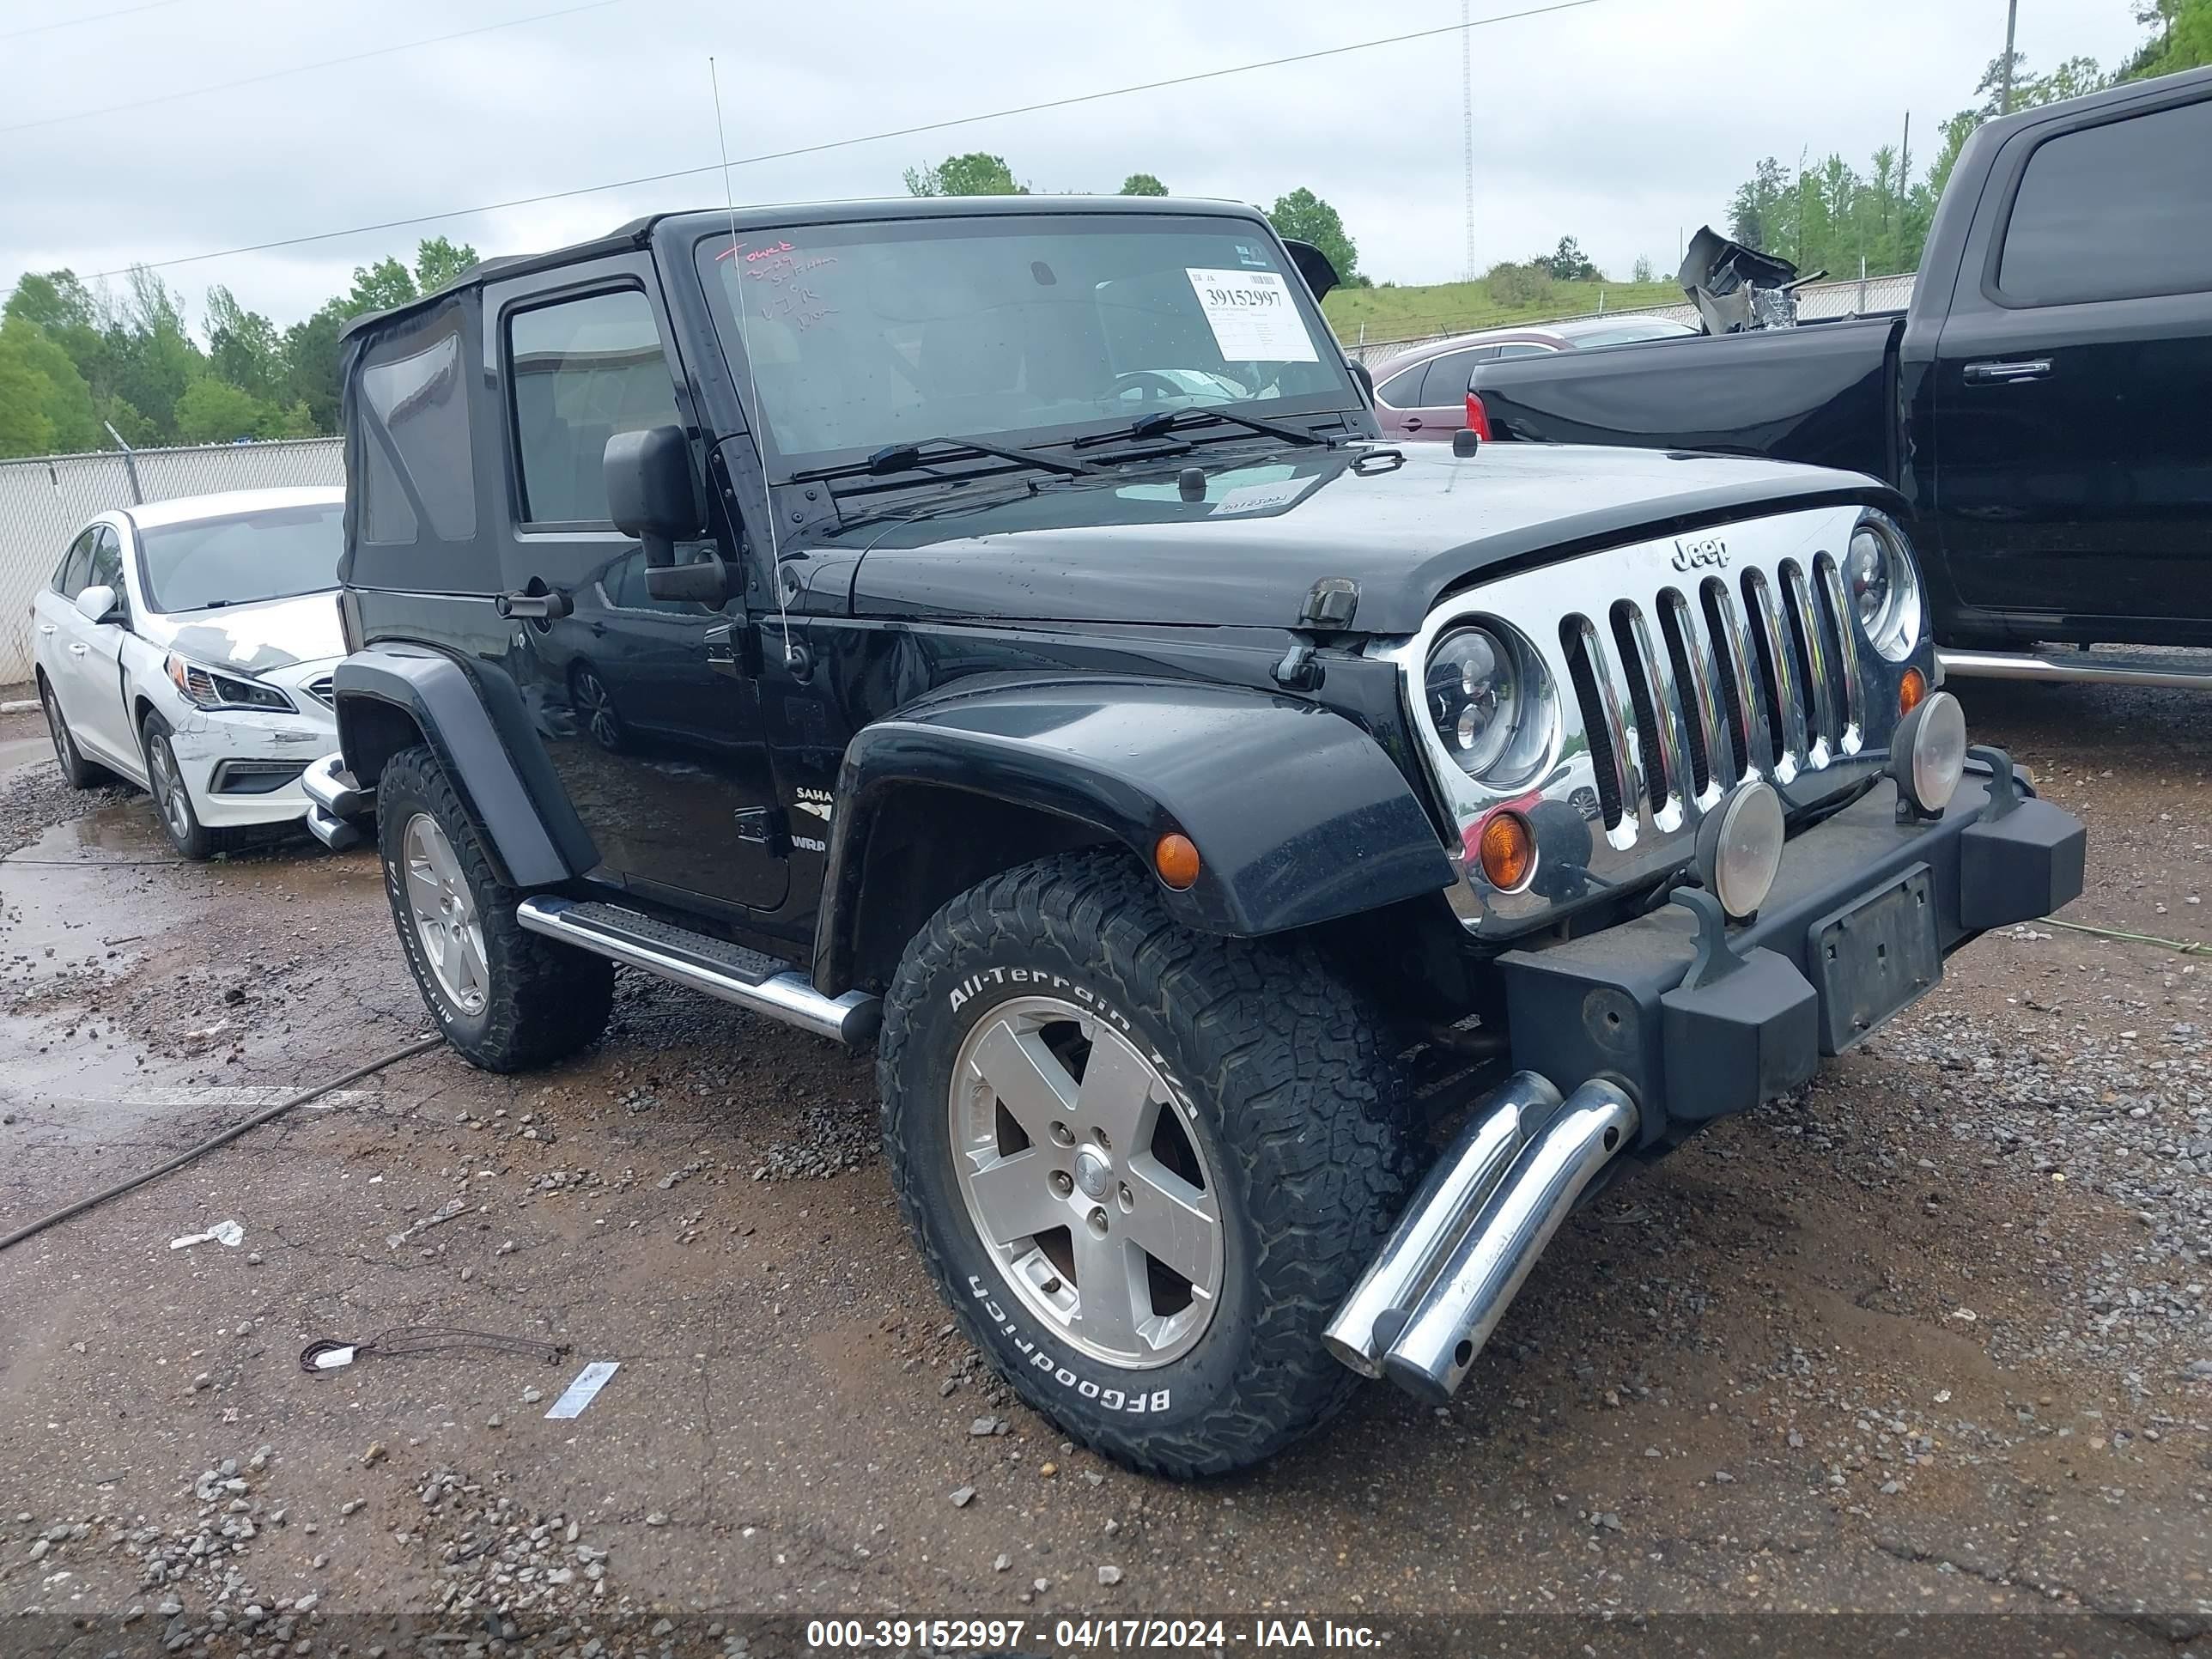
[{"x": 1872, "y": 1349}]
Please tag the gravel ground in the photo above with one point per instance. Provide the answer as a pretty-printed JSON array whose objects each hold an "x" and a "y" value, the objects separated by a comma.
[{"x": 1927, "y": 1338}]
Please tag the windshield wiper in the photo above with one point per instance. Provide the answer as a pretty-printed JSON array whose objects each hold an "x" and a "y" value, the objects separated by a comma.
[
  {"x": 1161, "y": 422},
  {"x": 905, "y": 457}
]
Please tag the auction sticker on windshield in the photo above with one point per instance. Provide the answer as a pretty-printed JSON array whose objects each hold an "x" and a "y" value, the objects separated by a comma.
[{"x": 1252, "y": 316}]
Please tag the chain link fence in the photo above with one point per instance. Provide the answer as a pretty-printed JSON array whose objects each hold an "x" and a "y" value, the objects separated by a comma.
[{"x": 45, "y": 500}]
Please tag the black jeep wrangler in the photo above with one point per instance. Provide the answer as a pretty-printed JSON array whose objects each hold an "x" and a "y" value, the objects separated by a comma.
[{"x": 993, "y": 630}]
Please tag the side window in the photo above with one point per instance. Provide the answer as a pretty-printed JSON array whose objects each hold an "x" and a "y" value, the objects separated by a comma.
[
  {"x": 107, "y": 561},
  {"x": 419, "y": 402},
  {"x": 1403, "y": 391},
  {"x": 1523, "y": 348},
  {"x": 581, "y": 371},
  {"x": 1447, "y": 380},
  {"x": 76, "y": 566},
  {"x": 2114, "y": 212}
]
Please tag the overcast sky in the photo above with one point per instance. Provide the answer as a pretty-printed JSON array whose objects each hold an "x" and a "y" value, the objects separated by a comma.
[{"x": 1622, "y": 122}]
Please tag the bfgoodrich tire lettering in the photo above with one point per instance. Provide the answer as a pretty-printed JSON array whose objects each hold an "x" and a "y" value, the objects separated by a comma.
[
  {"x": 540, "y": 1001},
  {"x": 1288, "y": 1087}
]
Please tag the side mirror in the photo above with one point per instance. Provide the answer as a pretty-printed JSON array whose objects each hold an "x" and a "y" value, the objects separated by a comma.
[
  {"x": 98, "y": 603},
  {"x": 652, "y": 492}
]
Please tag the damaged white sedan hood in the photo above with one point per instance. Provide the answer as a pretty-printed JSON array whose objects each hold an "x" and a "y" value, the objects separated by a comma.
[{"x": 254, "y": 638}]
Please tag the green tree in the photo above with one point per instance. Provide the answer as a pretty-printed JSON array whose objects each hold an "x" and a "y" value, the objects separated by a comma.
[
  {"x": 311, "y": 362},
  {"x": 244, "y": 347},
  {"x": 1303, "y": 216},
  {"x": 213, "y": 411},
  {"x": 2181, "y": 37},
  {"x": 1516, "y": 286},
  {"x": 379, "y": 287},
  {"x": 25, "y": 429},
  {"x": 1569, "y": 263},
  {"x": 438, "y": 262},
  {"x": 973, "y": 174},
  {"x": 1641, "y": 271},
  {"x": 65, "y": 400},
  {"x": 1143, "y": 184}
]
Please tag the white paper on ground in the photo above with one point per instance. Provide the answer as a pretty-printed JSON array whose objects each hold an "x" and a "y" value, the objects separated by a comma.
[
  {"x": 331, "y": 1358},
  {"x": 228, "y": 1233},
  {"x": 585, "y": 1389},
  {"x": 1252, "y": 316}
]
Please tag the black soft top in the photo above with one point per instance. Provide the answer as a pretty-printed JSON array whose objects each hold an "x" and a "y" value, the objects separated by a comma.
[{"x": 639, "y": 233}]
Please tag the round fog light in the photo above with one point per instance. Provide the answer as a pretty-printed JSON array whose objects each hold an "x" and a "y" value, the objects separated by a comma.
[
  {"x": 1929, "y": 754},
  {"x": 1740, "y": 848}
]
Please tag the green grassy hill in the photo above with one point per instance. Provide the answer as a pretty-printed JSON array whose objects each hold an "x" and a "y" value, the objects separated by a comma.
[{"x": 1402, "y": 314}]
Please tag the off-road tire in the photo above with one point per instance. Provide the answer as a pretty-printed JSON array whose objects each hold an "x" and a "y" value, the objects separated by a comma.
[
  {"x": 1288, "y": 1075},
  {"x": 77, "y": 772},
  {"x": 192, "y": 839},
  {"x": 544, "y": 1000}
]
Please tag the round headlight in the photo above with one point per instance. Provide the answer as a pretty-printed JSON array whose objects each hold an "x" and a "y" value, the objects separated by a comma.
[
  {"x": 1488, "y": 698},
  {"x": 1884, "y": 590},
  {"x": 1929, "y": 756},
  {"x": 1740, "y": 848}
]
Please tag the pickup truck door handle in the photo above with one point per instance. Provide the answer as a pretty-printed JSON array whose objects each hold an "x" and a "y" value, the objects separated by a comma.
[{"x": 2004, "y": 374}]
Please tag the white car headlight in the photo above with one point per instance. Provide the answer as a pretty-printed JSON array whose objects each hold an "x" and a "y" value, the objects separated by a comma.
[
  {"x": 1490, "y": 699},
  {"x": 211, "y": 688},
  {"x": 1883, "y": 587}
]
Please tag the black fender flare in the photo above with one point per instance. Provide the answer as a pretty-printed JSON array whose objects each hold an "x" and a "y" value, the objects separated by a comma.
[
  {"x": 479, "y": 730},
  {"x": 1298, "y": 815}
]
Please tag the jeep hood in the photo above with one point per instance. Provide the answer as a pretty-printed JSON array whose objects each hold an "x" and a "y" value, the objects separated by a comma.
[{"x": 1407, "y": 525}]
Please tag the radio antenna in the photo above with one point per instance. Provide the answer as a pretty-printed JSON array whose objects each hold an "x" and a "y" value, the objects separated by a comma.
[{"x": 752, "y": 375}]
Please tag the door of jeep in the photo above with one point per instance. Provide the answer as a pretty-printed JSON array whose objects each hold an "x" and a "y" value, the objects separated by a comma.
[{"x": 660, "y": 746}]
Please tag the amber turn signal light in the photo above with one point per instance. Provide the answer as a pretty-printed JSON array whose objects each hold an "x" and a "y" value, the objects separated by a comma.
[
  {"x": 1176, "y": 857},
  {"x": 1507, "y": 851},
  {"x": 1911, "y": 689}
]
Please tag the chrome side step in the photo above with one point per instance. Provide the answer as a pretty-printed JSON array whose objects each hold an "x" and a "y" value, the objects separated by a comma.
[
  {"x": 705, "y": 963},
  {"x": 2186, "y": 671}
]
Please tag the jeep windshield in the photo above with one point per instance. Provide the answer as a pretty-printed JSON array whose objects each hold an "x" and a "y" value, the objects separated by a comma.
[{"x": 1030, "y": 330}]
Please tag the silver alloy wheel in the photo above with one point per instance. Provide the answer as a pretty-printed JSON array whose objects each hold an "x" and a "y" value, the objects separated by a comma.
[
  {"x": 1084, "y": 1177},
  {"x": 169, "y": 787},
  {"x": 598, "y": 708},
  {"x": 444, "y": 911}
]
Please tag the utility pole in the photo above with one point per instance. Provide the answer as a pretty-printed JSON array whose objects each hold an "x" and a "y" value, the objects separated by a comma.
[
  {"x": 1467, "y": 123},
  {"x": 2012, "y": 20}
]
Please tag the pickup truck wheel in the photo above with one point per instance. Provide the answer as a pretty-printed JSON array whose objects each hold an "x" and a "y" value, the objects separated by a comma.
[
  {"x": 77, "y": 772},
  {"x": 507, "y": 998},
  {"x": 1143, "y": 1164}
]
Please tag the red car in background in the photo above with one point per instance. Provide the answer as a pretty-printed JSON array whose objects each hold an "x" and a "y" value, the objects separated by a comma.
[{"x": 1422, "y": 393}]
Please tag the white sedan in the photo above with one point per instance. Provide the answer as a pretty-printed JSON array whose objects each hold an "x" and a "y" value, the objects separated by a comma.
[{"x": 187, "y": 647}]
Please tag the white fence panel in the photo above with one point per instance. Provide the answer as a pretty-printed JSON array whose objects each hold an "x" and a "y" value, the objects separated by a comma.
[{"x": 44, "y": 500}]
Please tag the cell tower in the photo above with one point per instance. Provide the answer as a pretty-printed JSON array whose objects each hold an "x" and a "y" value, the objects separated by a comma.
[{"x": 1467, "y": 123}]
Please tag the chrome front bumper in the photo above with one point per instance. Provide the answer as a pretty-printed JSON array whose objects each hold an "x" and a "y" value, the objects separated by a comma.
[{"x": 337, "y": 804}]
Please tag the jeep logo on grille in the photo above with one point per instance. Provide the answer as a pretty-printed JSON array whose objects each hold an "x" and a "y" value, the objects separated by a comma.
[{"x": 1710, "y": 553}]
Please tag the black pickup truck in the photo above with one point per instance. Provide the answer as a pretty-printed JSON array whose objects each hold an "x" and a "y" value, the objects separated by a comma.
[
  {"x": 2043, "y": 405},
  {"x": 994, "y": 633}
]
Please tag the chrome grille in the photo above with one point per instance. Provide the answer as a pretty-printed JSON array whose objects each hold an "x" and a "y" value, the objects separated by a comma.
[{"x": 1677, "y": 681}]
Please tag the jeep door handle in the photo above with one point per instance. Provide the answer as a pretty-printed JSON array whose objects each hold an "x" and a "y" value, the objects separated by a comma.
[
  {"x": 548, "y": 607},
  {"x": 2004, "y": 374}
]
